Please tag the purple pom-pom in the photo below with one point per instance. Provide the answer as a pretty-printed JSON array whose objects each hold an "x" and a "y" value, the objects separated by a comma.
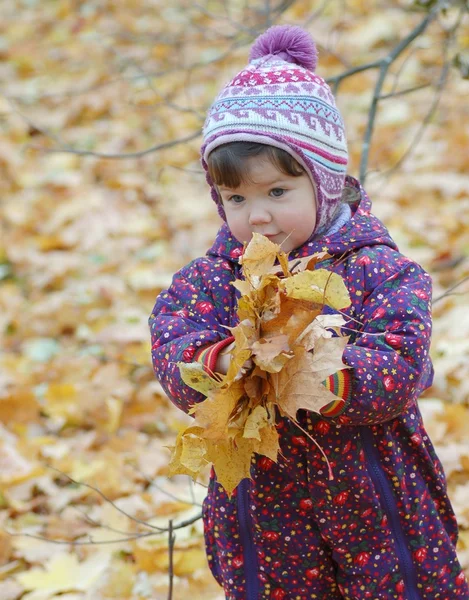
[{"x": 290, "y": 43}]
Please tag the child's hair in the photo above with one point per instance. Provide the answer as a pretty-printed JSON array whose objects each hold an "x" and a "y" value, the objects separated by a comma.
[{"x": 227, "y": 163}]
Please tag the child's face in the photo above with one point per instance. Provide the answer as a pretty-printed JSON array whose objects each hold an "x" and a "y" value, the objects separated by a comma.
[{"x": 279, "y": 206}]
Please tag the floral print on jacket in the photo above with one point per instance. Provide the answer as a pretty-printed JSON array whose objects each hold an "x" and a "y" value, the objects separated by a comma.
[{"x": 383, "y": 527}]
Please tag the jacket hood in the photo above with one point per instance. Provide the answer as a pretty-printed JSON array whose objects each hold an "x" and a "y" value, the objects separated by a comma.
[{"x": 363, "y": 229}]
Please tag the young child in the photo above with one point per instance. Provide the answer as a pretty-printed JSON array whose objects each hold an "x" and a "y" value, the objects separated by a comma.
[{"x": 275, "y": 154}]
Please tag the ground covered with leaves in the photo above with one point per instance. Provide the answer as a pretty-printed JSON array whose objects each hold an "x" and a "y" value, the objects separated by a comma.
[{"x": 87, "y": 241}]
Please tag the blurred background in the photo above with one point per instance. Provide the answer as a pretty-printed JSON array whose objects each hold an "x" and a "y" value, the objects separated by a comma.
[{"x": 103, "y": 199}]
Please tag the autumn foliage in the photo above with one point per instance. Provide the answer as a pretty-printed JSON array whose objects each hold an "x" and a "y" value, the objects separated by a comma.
[
  {"x": 288, "y": 346},
  {"x": 94, "y": 221}
]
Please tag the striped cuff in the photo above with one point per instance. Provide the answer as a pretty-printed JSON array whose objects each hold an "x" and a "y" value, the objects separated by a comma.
[
  {"x": 340, "y": 384},
  {"x": 208, "y": 355}
]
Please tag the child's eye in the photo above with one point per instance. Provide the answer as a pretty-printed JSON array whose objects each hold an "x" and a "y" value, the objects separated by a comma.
[
  {"x": 277, "y": 192},
  {"x": 236, "y": 198}
]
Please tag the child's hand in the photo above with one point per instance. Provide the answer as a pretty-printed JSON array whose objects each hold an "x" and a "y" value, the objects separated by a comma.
[{"x": 224, "y": 360}]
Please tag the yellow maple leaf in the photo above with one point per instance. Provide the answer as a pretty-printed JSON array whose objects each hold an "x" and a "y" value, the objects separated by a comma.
[
  {"x": 255, "y": 421},
  {"x": 246, "y": 309},
  {"x": 320, "y": 286},
  {"x": 307, "y": 263},
  {"x": 288, "y": 267},
  {"x": 193, "y": 450},
  {"x": 258, "y": 257},
  {"x": 283, "y": 262},
  {"x": 231, "y": 460},
  {"x": 327, "y": 356},
  {"x": 175, "y": 466},
  {"x": 242, "y": 286},
  {"x": 269, "y": 444},
  {"x": 195, "y": 377},
  {"x": 212, "y": 415}
]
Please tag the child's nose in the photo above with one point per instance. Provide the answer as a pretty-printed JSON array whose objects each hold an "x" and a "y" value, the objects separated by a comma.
[{"x": 258, "y": 216}]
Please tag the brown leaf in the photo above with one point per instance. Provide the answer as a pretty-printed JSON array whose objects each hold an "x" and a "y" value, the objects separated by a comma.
[
  {"x": 322, "y": 326},
  {"x": 292, "y": 318},
  {"x": 299, "y": 384},
  {"x": 269, "y": 354}
]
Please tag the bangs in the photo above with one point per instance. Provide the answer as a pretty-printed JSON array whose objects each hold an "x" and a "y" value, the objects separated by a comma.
[{"x": 227, "y": 164}]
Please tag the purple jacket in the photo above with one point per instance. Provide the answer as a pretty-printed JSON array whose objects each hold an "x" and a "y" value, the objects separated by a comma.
[{"x": 383, "y": 527}]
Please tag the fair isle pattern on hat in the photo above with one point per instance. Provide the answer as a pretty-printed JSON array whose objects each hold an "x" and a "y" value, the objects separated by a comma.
[{"x": 276, "y": 102}]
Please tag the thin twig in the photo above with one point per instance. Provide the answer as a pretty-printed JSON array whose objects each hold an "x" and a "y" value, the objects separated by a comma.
[
  {"x": 169, "y": 144},
  {"x": 150, "y": 74},
  {"x": 401, "y": 69},
  {"x": 91, "y": 542},
  {"x": 385, "y": 64},
  {"x": 428, "y": 117},
  {"x": 171, "y": 541},
  {"x": 405, "y": 91},
  {"x": 448, "y": 292},
  {"x": 437, "y": 97},
  {"x": 181, "y": 525},
  {"x": 97, "y": 523},
  {"x": 267, "y": 13},
  {"x": 237, "y": 26},
  {"x": 151, "y": 483},
  {"x": 192, "y": 492},
  {"x": 98, "y": 491},
  {"x": 337, "y": 79},
  {"x": 315, "y": 14}
]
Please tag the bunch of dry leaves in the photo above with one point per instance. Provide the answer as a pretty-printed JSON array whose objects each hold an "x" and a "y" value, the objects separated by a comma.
[{"x": 284, "y": 349}]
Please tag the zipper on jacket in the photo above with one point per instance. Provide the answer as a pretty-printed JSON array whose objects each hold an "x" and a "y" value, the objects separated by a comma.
[
  {"x": 249, "y": 552},
  {"x": 383, "y": 486}
]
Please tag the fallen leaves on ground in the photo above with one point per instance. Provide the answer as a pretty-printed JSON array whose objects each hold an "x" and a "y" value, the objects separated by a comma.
[{"x": 87, "y": 242}]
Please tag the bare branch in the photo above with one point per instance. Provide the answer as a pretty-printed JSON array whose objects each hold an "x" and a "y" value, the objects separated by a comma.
[
  {"x": 138, "y": 154},
  {"x": 442, "y": 80},
  {"x": 385, "y": 63},
  {"x": 88, "y": 519},
  {"x": 401, "y": 68},
  {"x": 315, "y": 14},
  {"x": 405, "y": 91},
  {"x": 98, "y": 491},
  {"x": 236, "y": 26},
  {"x": 166, "y": 493},
  {"x": 171, "y": 541},
  {"x": 268, "y": 13},
  {"x": 428, "y": 117},
  {"x": 336, "y": 80},
  {"x": 91, "y": 542},
  {"x": 450, "y": 290},
  {"x": 181, "y": 525}
]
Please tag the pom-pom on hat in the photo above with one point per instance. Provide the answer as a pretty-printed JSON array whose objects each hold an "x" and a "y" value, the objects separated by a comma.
[
  {"x": 278, "y": 100},
  {"x": 291, "y": 44}
]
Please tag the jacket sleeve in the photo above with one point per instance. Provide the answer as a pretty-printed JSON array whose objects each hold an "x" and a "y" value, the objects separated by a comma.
[
  {"x": 390, "y": 356},
  {"x": 185, "y": 320}
]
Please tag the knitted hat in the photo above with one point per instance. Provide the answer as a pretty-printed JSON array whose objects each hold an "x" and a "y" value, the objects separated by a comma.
[{"x": 278, "y": 100}]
